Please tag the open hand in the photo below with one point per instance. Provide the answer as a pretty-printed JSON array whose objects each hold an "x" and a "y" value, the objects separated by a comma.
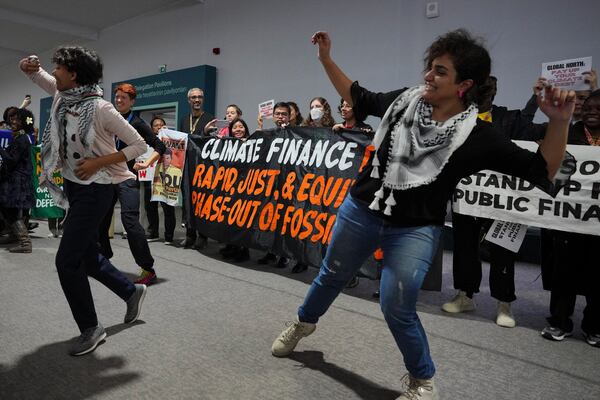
[{"x": 86, "y": 168}]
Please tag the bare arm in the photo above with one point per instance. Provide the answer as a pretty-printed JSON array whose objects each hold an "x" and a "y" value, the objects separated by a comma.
[
  {"x": 145, "y": 164},
  {"x": 337, "y": 77},
  {"x": 558, "y": 105}
]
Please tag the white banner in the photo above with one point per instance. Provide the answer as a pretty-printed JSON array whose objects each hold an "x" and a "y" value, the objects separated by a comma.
[
  {"x": 509, "y": 235},
  {"x": 168, "y": 173},
  {"x": 146, "y": 175},
  {"x": 576, "y": 208}
]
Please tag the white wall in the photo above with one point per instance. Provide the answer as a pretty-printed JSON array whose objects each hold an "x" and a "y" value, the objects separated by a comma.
[{"x": 266, "y": 51}]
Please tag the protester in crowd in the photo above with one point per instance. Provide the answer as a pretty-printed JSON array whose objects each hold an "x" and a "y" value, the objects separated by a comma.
[
  {"x": 151, "y": 207},
  {"x": 16, "y": 185},
  {"x": 128, "y": 191},
  {"x": 468, "y": 231},
  {"x": 194, "y": 123},
  {"x": 349, "y": 120},
  {"x": 5, "y": 124},
  {"x": 79, "y": 137},
  {"x": 591, "y": 78},
  {"x": 239, "y": 130},
  {"x": 281, "y": 118},
  {"x": 231, "y": 112},
  {"x": 574, "y": 268},
  {"x": 429, "y": 139},
  {"x": 295, "y": 114},
  {"x": 320, "y": 114}
]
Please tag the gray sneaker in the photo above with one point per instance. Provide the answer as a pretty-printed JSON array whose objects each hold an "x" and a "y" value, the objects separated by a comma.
[
  {"x": 134, "y": 304},
  {"x": 418, "y": 389},
  {"x": 288, "y": 339},
  {"x": 88, "y": 341}
]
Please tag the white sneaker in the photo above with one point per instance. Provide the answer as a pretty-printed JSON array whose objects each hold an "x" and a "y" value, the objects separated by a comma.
[
  {"x": 415, "y": 389},
  {"x": 460, "y": 303},
  {"x": 505, "y": 317},
  {"x": 288, "y": 339}
]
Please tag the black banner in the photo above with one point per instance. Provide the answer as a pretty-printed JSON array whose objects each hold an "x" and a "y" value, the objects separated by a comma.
[{"x": 279, "y": 190}]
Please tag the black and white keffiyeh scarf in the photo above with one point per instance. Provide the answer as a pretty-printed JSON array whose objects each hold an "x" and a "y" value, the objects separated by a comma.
[
  {"x": 419, "y": 147},
  {"x": 80, "y": 101}
]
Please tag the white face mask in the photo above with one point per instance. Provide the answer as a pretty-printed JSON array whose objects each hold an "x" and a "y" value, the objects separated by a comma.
[{"x": 316, "y": 113}]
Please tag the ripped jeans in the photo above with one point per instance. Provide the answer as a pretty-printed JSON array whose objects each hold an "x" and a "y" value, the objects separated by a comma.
[{"x": 408, "y": 253}]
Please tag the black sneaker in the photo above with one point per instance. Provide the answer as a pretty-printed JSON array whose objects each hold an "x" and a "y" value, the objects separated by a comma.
[
  {"x": 134, "y": 304},
  {"x": 267, "y": 258},
  {"x": 593, "y": 339},
  {"x": 553, "y": 333},
  {"x": 299, "y": 267},
  {"x": 88, "y": 341},
  {"x": 152, "y": 237},
  {"x": 242, "y": 254},
  {"x": 282, "y": 263},
  {"x": 353, "y": 283},
  {"x": 187, "y": 243},
  {"x": 200, "y": 243}
]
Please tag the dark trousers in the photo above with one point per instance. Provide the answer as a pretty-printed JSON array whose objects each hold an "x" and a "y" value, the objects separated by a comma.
[
  {"x": 128, "y": 194},
  {"x": 562, "y": 305},
  {"x": 78, "y": 256},
  {"x": 466, "y": 264},
  {"x": 152, "y": 214},
  {"x": 11, "y": 215}
]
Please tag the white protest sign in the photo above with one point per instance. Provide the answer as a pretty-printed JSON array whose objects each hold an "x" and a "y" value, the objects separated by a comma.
[
  {"x": 509, "y": 235},
  {"x": 568, "y": 74},
  {"x": 146, "y": 175},
  {"x": 265, "y": 109}
]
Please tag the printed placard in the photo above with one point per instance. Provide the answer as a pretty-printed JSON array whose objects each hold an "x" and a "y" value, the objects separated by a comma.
[
  {"x": 568, "y": 74},
  {"x": 265, "y": 109},
  {"x": 509, "y": 235},
  {"x": 146, "y": 175}
]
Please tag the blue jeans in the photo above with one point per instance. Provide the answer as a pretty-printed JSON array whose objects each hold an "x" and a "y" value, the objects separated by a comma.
[
  {"x": 408, "y": 253},
  {"x": 78, "y": 256}
]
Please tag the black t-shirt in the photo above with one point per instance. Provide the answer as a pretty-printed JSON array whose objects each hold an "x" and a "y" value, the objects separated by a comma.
[
  {"x": 187, "y": 124},
  {"x": 485, "y": 148}
]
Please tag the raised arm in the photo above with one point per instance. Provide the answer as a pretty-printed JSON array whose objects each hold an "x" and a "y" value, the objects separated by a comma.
[
  {"x": 337, "y": 77},
  {"x": 558, "y": 105},
  {"x": 31, "y": 67}
]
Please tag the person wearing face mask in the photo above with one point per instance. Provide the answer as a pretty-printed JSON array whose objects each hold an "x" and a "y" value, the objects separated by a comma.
[{"x": 320, "y": 114}]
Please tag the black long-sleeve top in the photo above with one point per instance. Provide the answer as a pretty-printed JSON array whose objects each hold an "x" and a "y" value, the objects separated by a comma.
[
  {"x": 146, "y": 133},
  {"x": 485, "y": 148}
]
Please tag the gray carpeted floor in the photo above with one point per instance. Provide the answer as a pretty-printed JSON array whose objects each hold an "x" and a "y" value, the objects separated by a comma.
[{"x": 207, "y": 327}]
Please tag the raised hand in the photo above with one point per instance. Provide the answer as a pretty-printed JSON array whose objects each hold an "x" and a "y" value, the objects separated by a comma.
[
  {"x": 591, "y": 78},
  {"x": 323, "y": 40},
  {"x": 30, "y": 64},
  {"x": 539, "y": 85},
  {"x": 557, "y": 104}
]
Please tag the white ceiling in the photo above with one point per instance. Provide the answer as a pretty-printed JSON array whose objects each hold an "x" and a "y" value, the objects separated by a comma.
[{"x": 34, "y": 26}]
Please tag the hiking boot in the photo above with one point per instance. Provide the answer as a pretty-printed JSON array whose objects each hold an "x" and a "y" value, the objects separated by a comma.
[
  {"x": 553, "y": 333},
  {"x": 505, "y": 317},
  {"x": 593, "y": 339},
  {"x": 146, "y": 277},
  {"x": 134, "y": 304},
  {"x": 418, "y": 389},
  {"x": 288, "y": 339},
  {"x": 88, "y": 341},
  {"x": 460, "y": 303},
  {"x": 24, "y": 241}
]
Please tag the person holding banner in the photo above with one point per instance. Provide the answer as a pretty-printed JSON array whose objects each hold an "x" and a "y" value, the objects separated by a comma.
[
  {"x": 428, "y": 139},
  {"x": 16, "y": 185},
  {"x": 468, "y": 230},
  {"x": 350, "y": 121},
  {"x": 151, "y": 207},
  {"x": 79, "y": 138},
  {"x": 574, "y": 268},
  {"x": 231, "y": 112},
  {"x": 295, "y": 114},
  {"x": 128, "y": 191}
]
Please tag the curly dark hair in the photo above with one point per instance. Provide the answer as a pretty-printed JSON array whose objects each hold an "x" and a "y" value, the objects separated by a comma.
[
  {"x": 470, "y": 58},
  {"x": 593, "y": 95},
  {"x": 84, "y": 62},
  {"x": 299, "y": 117},
  {"x": 26, "y": 119}
]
